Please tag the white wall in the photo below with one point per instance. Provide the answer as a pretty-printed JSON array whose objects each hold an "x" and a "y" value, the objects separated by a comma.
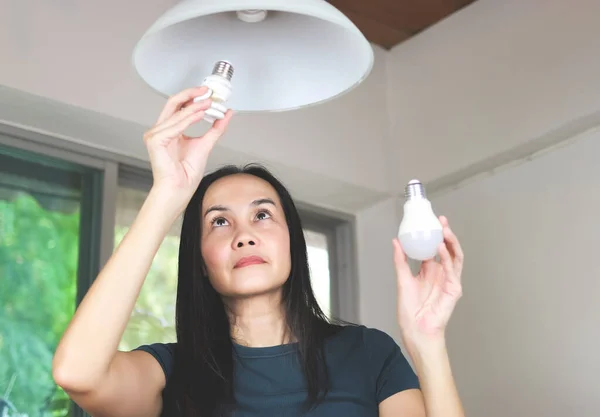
[
  {"x": 495, "y": 82},
  {"x": 490, "y": 79},
  {"x": 525, "y": 336},
  {"x": 376, "y": 226}
]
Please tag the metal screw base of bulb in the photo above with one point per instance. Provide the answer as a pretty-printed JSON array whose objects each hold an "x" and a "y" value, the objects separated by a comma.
[
  {"x": 224, "y": 69},
  {"x": 414, "y": 189}
]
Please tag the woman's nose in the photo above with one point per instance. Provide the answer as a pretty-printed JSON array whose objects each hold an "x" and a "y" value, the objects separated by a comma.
[{"x": 245, "y": 242}]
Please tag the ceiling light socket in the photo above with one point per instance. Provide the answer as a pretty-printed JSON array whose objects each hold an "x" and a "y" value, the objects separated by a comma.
[{"x": 252, "y": 16}]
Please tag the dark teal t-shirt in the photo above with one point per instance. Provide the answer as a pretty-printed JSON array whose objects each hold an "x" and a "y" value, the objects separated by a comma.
[{"x": 366, "y": 366}]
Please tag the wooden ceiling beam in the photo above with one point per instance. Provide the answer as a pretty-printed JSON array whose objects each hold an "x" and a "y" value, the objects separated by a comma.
[
  {"x": 389, "y": 22},
  {"x": 375, "y": 31}
]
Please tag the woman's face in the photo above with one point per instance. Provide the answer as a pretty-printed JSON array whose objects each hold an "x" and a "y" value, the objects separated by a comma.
[{"x": 245, "y": 238}]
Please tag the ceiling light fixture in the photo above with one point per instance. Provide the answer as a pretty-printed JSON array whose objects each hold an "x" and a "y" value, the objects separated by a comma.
[{"x": 287, "y": 54}]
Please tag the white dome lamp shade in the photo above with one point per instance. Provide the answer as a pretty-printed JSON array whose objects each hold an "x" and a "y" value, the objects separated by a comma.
[{"x": 285, "y": 54}]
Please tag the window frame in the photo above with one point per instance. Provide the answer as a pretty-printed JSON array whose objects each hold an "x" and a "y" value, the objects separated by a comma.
[
  {"x": 339, "y": 228},
  {"x": 94, "y": 201}
]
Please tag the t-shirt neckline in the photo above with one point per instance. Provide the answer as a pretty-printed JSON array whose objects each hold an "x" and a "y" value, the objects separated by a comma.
[{"x": 264, "y": 352}]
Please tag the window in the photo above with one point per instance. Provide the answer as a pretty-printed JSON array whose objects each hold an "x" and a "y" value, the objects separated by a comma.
[
  {"x": 46, "y": 234},
  {"x": 153, "y": 318},
  {"x": 318, "y": 261}
]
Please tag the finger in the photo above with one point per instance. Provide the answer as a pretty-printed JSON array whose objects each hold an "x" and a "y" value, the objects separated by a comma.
[
  {"x": 429, "y": 277},
  {"x": 178, "y": 128},
  {"x": 403, "y": 272},
  {"x": 200, "y": 147},
  {"x": 174, "y": 103},
  {"x": 453, "y": 246},
  {"x": 428, "y": 266},
  {"x": 448, "y": 265},
  {"x": 218, "y": 128},
  {"x": 208, "y": 93},
  {"x": 435, "y": 280},
  {"x": 182, "y": 114}
]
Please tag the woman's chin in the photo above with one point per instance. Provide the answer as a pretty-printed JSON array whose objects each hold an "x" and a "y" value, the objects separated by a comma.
[{"x": 249, "y": 286}]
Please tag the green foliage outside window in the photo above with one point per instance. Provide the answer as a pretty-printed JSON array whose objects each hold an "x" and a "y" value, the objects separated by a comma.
[
  {"x": 38, "y": 281},
  {"x": 153, "y": 317}
]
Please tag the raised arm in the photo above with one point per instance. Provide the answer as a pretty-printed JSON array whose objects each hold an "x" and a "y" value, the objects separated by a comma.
[
  {"x": 87, "y": 363},
  {"x": 425, "y": 304}
]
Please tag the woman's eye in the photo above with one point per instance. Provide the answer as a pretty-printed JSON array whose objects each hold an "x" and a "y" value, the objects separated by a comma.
[
  {"x": 219, "y": 221},
  {"x": 263, "y": 215}
]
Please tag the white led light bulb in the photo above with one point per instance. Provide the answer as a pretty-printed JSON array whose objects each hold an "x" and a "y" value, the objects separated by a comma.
[
  {"x": 219, "y": 90},
  {"x": 420, "y": 231}
]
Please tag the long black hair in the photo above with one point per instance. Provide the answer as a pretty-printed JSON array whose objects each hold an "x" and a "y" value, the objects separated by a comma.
[{"x": 202, "y": 381}]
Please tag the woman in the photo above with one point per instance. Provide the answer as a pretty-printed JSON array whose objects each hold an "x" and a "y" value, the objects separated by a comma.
[{"x": 251, "y": 338}]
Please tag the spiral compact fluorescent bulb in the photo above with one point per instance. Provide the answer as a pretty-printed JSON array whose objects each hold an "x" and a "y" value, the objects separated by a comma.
[
  {"x": 219, "y": 90},
  {"x": 420, "y": 231}
]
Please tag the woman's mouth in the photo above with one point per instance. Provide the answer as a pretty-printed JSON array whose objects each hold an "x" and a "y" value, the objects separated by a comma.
[{"x": 249, "y": 260}]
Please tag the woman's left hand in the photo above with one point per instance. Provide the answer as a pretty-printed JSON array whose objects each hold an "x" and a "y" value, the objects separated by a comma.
[{"x": 426, "y": 302}]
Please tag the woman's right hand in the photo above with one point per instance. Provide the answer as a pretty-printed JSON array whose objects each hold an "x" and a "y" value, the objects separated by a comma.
[{"x": 179, "y": 161}]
